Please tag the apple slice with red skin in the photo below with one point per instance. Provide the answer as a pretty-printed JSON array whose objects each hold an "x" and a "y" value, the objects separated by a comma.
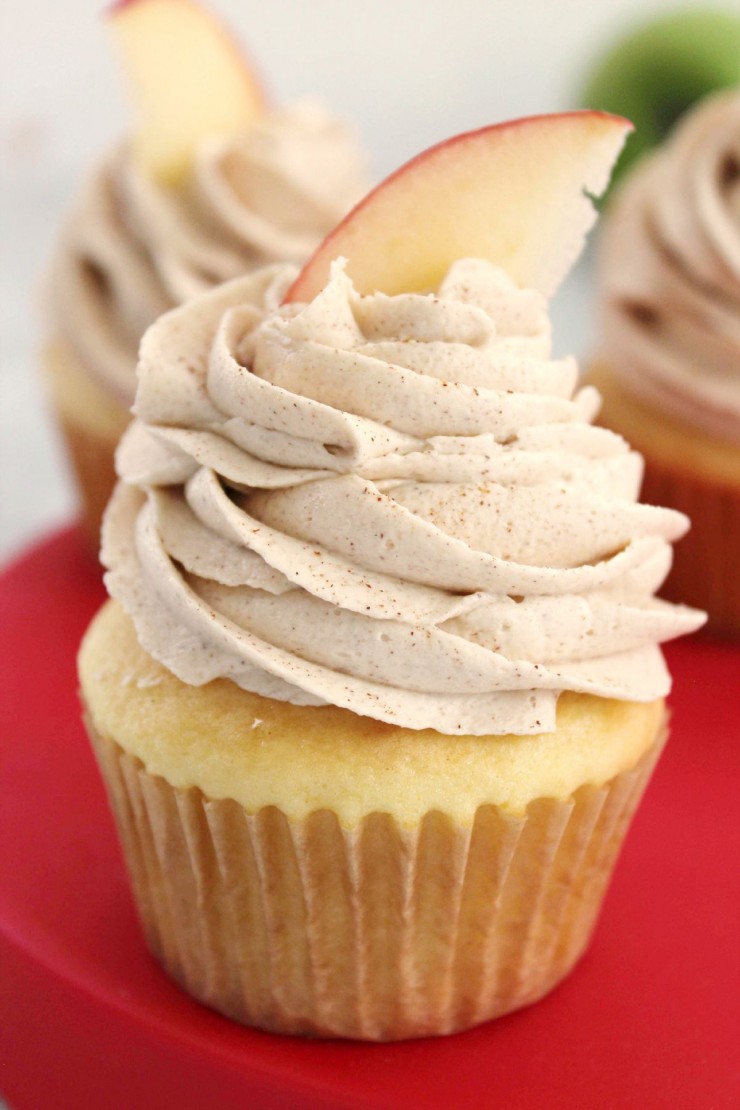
[
  {"x": 188, "y": 79},
  {"x": 515, "y": 193}
]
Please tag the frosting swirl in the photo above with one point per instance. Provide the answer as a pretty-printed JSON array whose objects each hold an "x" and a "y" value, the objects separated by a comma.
[
  {"x": 133, "y": 249},
  {"x": 396, "y": 505},
  {"x": 670, "y": 273}
]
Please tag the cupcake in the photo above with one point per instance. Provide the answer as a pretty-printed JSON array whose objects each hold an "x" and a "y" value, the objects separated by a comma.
[
  {"x": 211, "y": 184},
  {"x": 669, "y": 351},
  {"x": 379, "y": 688}
]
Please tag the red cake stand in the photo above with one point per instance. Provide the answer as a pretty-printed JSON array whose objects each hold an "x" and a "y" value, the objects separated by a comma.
[{"x": 88, "y": 1021}]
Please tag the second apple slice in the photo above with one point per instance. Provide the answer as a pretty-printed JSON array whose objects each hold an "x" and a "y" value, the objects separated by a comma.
[{"x": 188, "y": 78}]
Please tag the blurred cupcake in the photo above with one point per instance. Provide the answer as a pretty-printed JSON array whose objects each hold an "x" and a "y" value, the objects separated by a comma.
[
  {"x": 211, "y": 184},
  {"x": 380, "y": 686},
  {"x": 669, "y": 351}
]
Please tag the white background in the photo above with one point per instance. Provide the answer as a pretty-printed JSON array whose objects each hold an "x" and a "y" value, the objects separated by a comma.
[{"x": 407, "y": 73}]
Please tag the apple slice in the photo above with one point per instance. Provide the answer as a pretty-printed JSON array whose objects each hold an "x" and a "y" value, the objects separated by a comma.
[
  {"x": 515, "y": 193},
  {"x": 188, "y": 79}
]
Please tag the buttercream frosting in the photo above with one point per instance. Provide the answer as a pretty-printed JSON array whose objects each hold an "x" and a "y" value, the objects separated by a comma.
[
  {"x": 397, "y": 505},
  {"x": 132, "y": 249},
  {"x": 670, "y": 273}
]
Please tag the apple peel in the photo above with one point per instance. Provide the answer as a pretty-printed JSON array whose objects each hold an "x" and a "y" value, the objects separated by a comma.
[
  {"x": 517, "y": 193},
  {"x": 188, "y": 80}
]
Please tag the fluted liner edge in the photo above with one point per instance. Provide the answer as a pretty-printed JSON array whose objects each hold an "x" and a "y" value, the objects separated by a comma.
[{"x": 378, "y": 932}]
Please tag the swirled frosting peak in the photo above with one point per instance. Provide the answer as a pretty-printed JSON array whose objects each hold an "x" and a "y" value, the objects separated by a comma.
[
  {"x": 397, "y": 505},
  {"x": 132, "y": 248},
  {"x": 670, "y": 273}
]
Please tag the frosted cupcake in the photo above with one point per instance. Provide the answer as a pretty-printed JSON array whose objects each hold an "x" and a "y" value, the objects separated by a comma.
[
  {"x": 211, "y": 184},
  {"x": 379, "y": 688},
  {"x": 669, "y": 362}
]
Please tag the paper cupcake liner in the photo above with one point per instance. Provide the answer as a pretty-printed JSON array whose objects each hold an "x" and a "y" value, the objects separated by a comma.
[
  {"x": 92, "y": 462},
  {"x": 90, "y": 423},
  {"x": 705, "y": 562},
  {"x": 678, "y": 475},
  {"x": 377, "y": 932}
]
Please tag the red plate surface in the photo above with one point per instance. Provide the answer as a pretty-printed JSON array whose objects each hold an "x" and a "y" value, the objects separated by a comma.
[{"x": 88, "y": 1021}]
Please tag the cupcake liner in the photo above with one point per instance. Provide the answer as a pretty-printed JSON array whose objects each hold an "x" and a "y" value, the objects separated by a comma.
[
  {"x": 704, "y": 572},
  {"x": 376, "y": 932},
  {"x": 90, "y": 422},
  {"x": 92, "y": 462},
  {"x": 688, "y": 471}
]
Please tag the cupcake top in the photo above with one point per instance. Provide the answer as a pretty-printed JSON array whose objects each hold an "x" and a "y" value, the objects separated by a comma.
[
  {"x": 393, "y": 504},
  {"x": 133, "y": 248},
  {"x": 670, "y": 273}
]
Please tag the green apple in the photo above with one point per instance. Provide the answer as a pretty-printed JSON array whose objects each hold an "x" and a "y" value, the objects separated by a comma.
[{"x": 657, "y": 72}]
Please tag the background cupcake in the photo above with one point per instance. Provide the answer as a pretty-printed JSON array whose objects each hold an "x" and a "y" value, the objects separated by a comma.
[
  {"x": 669, "y": 345},
  {"x": 211, "y": 184},
  {"x": 380, "y": 688},
  {"x": 661, "y": 67}
]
